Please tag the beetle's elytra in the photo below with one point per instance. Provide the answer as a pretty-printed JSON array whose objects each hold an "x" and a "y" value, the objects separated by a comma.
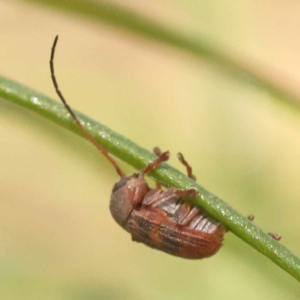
[{"x": 161, "y": 219}]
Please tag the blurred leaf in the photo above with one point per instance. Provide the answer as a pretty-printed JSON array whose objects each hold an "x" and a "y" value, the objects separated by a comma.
[{"x": 125, "y": 19}]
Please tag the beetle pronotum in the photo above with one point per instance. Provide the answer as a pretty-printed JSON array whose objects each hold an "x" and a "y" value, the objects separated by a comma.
[{"x": 161, "y": 219}]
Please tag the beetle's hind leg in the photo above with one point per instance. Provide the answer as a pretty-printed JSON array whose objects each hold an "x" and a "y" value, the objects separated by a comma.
[{"x": 188, "y": 167}]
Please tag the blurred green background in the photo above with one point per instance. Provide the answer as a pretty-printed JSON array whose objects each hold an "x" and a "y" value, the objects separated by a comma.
[{"x": 57, "y": 238}]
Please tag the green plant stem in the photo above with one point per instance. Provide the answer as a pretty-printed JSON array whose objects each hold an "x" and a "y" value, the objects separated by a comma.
[
  {"x": 134, "y": 23},
  {"x": 138, "y": 157}
]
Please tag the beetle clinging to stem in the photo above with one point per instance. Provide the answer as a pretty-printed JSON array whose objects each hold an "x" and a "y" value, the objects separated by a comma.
[{"x": 161, "y": 219}]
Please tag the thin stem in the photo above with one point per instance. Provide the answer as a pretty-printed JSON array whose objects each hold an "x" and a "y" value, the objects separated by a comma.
[
  {"x": 137, "y": 24},
  {"x": 138, "y": 157}
]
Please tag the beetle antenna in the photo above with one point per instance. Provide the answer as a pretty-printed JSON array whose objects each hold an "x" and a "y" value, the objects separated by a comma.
[{"x": 61, "y": 97}]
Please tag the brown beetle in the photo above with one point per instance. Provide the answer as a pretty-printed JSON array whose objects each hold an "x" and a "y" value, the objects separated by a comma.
[{"x": 161, "y": 219}]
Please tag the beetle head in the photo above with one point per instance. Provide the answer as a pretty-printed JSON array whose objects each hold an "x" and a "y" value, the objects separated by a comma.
[{"x": 127, "y": 194}]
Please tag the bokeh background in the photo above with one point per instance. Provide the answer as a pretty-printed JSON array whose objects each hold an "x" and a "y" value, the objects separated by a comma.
[{"x": 57, "y": 238}]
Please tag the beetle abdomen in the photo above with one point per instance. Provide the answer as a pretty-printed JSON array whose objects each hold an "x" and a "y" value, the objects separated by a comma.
[{"x": 153, "y": 228}]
